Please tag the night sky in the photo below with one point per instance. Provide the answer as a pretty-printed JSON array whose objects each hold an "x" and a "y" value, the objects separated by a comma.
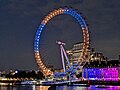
[{"x": 19, "y": 20}]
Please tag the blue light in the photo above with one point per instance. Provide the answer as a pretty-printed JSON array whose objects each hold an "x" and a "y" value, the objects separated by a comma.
[
  {"x": 40, "y": 28},
  {"x": 76, "y": 16},
  {"x": 38, "y": 36},
  {"x": 70, "y": 12},
  {"x": 37, "y": 39},
  {"x": 36, "y": 42}
]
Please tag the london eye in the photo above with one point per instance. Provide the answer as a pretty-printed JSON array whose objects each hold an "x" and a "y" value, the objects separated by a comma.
[{"x": 86, "y": 40}]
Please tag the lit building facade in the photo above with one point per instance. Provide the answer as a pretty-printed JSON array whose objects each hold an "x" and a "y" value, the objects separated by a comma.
[
  {"x": 97, "y": 56},
  {"x": 74, "y": 53},
  {"x": 102, "y": 71}
]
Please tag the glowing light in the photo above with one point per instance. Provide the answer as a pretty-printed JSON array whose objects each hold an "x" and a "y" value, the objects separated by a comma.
[
  {"x": 82, "y": 23},
  {"x": 105, "y": 74}
]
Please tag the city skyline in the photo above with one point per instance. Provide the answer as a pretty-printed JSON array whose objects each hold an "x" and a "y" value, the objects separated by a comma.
[{"x": 19, "y": 21}]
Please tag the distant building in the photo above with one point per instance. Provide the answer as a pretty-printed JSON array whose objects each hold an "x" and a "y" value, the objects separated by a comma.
[
  {"x": 74, "y": 53},
  {"x": 102, "y": 70},
  {"x": 3, "y": 74},
  {"x": 58, "y": 70},
  {"x": 96, "y": 56}
]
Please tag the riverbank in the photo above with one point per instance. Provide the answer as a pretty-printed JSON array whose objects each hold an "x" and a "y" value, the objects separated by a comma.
[{"x": 59, "y": 83}]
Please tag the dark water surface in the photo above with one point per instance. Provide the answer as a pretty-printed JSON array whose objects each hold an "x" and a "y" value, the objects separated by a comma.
[{"x": 33, "y": 87}]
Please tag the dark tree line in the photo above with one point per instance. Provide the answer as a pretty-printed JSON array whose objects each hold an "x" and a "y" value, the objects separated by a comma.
[{"x": 24, "y": 74}]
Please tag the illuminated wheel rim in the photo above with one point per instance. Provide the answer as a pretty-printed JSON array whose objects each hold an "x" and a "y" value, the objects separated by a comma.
[{"x": 52, "y": 14}]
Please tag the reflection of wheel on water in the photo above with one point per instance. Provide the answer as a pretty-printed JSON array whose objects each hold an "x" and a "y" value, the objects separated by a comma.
[{"x": 52, "y": 14}]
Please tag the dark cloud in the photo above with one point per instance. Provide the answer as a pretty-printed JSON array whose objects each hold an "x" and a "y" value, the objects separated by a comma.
[
  {"x": 73, "y": 2},
  {"x": 19, "y": 20}
]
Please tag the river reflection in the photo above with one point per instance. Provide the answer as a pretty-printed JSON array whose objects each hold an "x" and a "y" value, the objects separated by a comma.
[
  {"x": 103, "y": 87},
  {"x": 41, "y": 87},
  {"x": 33, "y": 87}
]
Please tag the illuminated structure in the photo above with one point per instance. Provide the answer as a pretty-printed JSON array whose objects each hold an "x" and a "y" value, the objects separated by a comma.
[
  {"x": 63, "y": 53},
  {"x": 85, "y": 32},
  {"x": 75, "y": 52},
  {"x": 95, "y": 56},
  {"x": 102, "y": 71}
]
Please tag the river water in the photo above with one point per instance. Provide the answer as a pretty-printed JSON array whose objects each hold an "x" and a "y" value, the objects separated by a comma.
[{"x": 33, "y": 87}]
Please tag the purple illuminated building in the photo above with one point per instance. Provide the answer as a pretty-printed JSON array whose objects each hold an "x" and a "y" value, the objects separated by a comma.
[{"x": 102, "y": 70}]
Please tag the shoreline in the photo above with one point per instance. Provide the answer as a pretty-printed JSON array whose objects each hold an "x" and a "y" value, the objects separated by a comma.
[{"x": 81, "y": 83}]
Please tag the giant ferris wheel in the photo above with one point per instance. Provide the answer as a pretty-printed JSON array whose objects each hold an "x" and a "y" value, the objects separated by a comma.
[{"x": 54, "y": 13}]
